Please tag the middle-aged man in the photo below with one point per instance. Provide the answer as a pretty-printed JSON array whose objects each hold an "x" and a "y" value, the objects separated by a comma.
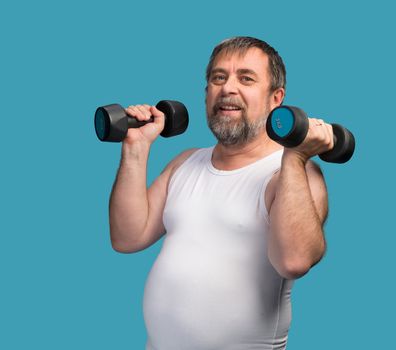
[{"x": 242, "y": 219}]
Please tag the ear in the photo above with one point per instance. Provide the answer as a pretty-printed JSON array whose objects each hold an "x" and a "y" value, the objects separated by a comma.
[{"x": 277, "y": 97}]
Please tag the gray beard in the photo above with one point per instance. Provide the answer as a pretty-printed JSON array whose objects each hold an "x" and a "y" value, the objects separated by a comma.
[{"x": 230, "y": 131}]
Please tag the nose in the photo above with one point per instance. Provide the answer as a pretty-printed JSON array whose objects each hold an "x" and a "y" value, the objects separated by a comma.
[{"x": 230, "y": 87}]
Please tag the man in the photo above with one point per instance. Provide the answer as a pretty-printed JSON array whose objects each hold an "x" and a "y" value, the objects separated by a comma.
[{"x": 242, "y": 219}]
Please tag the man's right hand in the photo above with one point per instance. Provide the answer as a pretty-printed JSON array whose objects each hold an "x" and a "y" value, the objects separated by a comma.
[{"x": 146, "y": 133}]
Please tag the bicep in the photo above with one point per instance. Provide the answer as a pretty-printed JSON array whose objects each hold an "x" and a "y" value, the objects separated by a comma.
[{"x": 317, "y": 187}]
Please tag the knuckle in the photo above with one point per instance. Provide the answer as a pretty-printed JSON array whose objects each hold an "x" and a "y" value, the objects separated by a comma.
[
  {"x": 158, "y": 113},
  {"x": 139, "y": 107},
  {"x": 130, "y": 111}
]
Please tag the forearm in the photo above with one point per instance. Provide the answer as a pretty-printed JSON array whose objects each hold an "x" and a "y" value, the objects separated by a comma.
[
  {"x": 128, "y": 207},
  {"x": 296, "y": 240}
]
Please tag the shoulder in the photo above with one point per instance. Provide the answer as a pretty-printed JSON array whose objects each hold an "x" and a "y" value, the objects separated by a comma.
[
  {"x": 160, "y": 184},
  {"x": 179, "y": 160},
  {"x": 175, "y": 163}
]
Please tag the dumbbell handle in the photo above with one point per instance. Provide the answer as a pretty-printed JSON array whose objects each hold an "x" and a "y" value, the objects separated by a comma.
[{"x": 134, "y": 123}]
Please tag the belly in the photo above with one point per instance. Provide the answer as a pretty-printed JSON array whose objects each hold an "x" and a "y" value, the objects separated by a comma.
[{"x": 208, "y": 298}]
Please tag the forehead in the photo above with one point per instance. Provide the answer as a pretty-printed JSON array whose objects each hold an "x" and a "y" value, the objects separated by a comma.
[{"x": 253, "y": 59}]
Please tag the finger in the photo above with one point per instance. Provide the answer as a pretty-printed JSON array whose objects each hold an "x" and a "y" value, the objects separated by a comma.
[
  {"x": 318, "y": 131},
  {"x": 318, "y": 125},
  {"x": 159, "y": 117},
  {"x": 330, "y": 132},
  {"x": 327, "y": 129},
  {"x": 144, "y": 110},
  {"x": 133, "y": 111},
  {"x": 321, "y": 125},
  {"x": 316, "y": 122},
  {"x": 313, "y": 122},
  {"x": 327, "y": 132}
]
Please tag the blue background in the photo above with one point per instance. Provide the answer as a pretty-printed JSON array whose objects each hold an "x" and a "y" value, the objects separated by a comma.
[{"x": 62, "y": 285}]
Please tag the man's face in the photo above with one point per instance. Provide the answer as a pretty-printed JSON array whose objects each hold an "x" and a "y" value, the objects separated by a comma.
[{"x": 238, "y": 99}]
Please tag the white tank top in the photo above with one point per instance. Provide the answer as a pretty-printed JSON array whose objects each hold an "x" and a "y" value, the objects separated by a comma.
[{"x": 212, "y": 286}]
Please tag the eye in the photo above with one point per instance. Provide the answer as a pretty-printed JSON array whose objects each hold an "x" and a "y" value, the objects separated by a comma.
[
  {"x": 218, "y": 78},
  {"x": 247, "y": 79}
]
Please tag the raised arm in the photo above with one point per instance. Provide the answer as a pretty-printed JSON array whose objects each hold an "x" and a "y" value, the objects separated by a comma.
[
  {"x": 297, "y": 203},
  {"x": 135, "y": 212}
]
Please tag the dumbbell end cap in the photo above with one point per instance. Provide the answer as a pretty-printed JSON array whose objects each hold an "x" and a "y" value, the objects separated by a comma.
[
  {"x": 102, "y": 124},
  {"x": 111, "y": 123},
  {"x": 287, "y": 125}
]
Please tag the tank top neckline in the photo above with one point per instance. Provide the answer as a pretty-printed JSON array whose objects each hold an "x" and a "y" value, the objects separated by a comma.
[{"x": 216, "y": 171}]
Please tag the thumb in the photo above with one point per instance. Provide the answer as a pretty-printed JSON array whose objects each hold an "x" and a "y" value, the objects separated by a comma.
[{"x": 159, "y": 117}]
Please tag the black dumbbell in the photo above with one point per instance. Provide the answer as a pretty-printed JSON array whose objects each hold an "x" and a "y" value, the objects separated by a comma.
[
  {"x": 112, "y": 122},
  {"x": 288, "y": 126}
]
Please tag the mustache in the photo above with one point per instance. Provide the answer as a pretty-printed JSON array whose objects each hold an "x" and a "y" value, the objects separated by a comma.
[{"x": 230, "y": 101}]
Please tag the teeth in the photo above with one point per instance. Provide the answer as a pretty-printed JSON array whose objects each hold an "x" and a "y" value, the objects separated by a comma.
[{"x": 230, "y": 108}]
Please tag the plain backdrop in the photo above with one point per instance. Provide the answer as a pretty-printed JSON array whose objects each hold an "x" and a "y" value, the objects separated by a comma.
[{"x": 61, "y": 284}]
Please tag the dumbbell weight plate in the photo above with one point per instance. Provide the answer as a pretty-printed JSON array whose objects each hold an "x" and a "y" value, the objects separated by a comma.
[
  {"x": 344, "y": 146},
  {"x": 102, "y": 124},
  {"x": 287, "y": 125},
  {"x": 112, "y": 115},
  {"x": 173, "y": 126}
]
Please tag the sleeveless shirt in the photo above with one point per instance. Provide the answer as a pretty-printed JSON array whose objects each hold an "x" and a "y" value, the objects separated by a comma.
[{"x": 212, "y": 285}]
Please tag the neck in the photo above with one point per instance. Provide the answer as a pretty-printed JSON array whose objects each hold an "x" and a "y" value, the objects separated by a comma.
[{"x": 236, "y": 156}]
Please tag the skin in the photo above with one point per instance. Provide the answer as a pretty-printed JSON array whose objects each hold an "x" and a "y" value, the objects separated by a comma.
[
  {"x": 230, "y": 80},
  {"x": 135, "y": 211},
  {"x": 296, "y": 197}
]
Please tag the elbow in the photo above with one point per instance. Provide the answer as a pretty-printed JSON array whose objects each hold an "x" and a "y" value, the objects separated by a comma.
[
  {"x": 293, "y": 270},
  {"x": 121, "y": 248},
  {"x": 123, "y": 241},
  {"x": 125, "y": 247},
  {"x": 300, "y": 265},
  {"x": 297, "y": 268}
]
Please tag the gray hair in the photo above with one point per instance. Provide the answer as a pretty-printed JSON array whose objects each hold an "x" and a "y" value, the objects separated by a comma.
[{"x": 241, "y": 44}]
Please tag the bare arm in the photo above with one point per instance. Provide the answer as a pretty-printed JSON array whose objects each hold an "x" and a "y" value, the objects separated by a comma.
[
  {"x": 136, "y": 212},
  {"x": 297, "y": 202},
  {"x": 128, "y": 206},
  {"x": 297, "y": 214}
]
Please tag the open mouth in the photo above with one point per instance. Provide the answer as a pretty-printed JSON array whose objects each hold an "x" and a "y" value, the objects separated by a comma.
[{"x": 228, "y": 108}]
